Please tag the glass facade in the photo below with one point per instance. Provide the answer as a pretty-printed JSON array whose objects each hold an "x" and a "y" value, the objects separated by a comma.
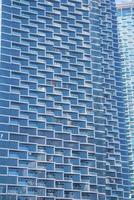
[
  {"x": 62, "y": 129},
  {"x": 126, "y": 41}
]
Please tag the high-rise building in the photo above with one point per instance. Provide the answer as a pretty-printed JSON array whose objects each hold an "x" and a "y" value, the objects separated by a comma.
[
  {"x": 126, "y": 41},
  {"x": 62, "y": 130}
]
